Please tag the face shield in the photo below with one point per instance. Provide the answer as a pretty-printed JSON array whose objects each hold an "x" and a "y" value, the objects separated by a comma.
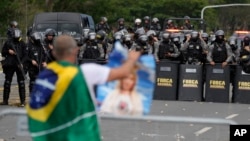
[
  {"x": 36, "y": 37},
  {"x": 17, "y": 34},
  {"x": 92, "y": 36}
]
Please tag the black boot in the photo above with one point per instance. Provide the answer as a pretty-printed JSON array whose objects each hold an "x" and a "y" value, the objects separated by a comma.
[
  {"x": 21, "y": 86},
  {"x": 6, "y": 92}
]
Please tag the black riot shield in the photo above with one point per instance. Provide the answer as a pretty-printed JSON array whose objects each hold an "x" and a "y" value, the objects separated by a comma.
[
  {"x": 241, "y": 89},
  {"x": 217, "y": 83},
  {"x": 190, "y": 83},
  {"x": 166, "y": 81}
]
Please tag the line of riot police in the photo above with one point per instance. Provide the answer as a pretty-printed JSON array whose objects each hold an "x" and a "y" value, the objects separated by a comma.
[{"x": 149, "y": 38}]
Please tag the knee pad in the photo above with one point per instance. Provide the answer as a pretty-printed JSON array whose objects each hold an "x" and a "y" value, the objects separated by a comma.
[{"x": 7, "y": 83}]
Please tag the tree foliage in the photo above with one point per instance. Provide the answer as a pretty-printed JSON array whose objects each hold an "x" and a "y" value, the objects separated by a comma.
[{"x": 228, "y": 19}]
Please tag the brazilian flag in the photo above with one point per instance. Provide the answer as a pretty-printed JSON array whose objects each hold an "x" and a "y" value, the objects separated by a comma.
[{"x": 61, "y": 107}]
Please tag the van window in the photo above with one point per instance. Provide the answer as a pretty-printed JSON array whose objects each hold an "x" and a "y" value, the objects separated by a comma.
[
  {"x": 42, "y": 27},
  {"x": 70, "y": 27},
  {"x": 60, "y": 27}
]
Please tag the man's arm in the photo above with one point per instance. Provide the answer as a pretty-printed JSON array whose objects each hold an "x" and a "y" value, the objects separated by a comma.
[
  {"x": 125, "y": 69},
  {"x": 209, "y": 55},
  {"x": 229, "y": 53}
]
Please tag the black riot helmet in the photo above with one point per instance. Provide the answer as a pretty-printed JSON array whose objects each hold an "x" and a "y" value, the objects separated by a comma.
[
  {"x": 50, "y": 32},
  {"x": 36, "y": 37},
  {"x": 219, "y": 35},
  {"x": 101, "y": 35},
  {"x": 246, "y": 41},
  {"x": 194, "y": 35}
]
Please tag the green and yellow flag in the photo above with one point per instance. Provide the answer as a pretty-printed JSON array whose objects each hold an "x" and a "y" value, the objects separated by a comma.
[{"x": 61, "y": 107}]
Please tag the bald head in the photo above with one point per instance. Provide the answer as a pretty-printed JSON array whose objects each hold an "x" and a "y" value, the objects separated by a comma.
[{"x": 64, "y": 46}]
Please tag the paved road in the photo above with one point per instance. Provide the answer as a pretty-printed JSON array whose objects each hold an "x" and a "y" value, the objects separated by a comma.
[{"x": 120, "y": 130}]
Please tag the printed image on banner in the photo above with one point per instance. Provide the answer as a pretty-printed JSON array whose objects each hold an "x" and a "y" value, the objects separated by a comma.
[{"x": 133, "y": 94}]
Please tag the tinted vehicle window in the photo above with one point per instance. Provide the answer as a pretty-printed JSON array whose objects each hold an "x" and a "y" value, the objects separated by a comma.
[
  {"x": 60, "y": 27},
  {"x": 44, "y": 26},
  {"x": 68, "y": 27}
]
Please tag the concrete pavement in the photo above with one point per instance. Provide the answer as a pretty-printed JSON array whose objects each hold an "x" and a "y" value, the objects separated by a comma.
[{"x": 120, "y": 130}]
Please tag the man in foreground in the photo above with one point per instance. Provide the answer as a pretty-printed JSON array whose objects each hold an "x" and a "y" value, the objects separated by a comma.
[{"x": 62, "y": 105}]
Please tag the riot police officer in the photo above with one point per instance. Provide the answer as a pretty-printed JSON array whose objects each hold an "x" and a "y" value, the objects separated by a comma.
[
  {"x": 103, "y": 25},
  {"x": 235, "y": 50},
  {"x": 245, "y": 50},
  {"x": 153, "y": 43},
  {"x": 121, "y": 24},
  {"x": 176, "y": 40},
  {"x": 91, "y": 48},
  {"x": 48, "y": 44},
  {"x": 155, "y": 25},
  {"x": 170, "y": 24},
  {"x": 13, "y": 25},
  {"x": 103, "y": 42},
  {"x": 142, "y": 45},
  {"x": 137, "y": 24},
  {"x": 146, "y": 23},
  {"x": 167, "y": 49},
  {"x": 205, "y": 37},
  {"x": 187, "y": 24},
  {"x": 195, "y": 48},
  {"x": 14, "y": 52},
  {"x": 127, "y": 41},
  {"x": 138, "y": 33},
  {"x": 219, "y": 51},
  {"x": 36, "y": 57}
]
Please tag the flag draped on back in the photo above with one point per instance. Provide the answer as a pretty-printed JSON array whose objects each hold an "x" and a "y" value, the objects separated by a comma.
[{"x": 61, "y": 108}]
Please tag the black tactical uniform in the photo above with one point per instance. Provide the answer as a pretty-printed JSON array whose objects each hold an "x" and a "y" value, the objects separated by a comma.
[
  {"x": 48, "y": 44},
  {"x": 14, "y": 52},
  {"x": 245, "y": 50},
  {"x": 36, "y": 58},
  {"x": 91, "y": 49}
]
